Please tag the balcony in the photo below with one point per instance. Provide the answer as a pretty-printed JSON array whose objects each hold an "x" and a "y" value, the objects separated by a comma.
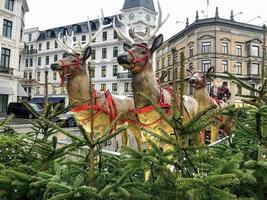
[
  {"x": 124, "y": 75},
  {"x": 31, "y": 51},
  {"x": 6, "y": 70}
]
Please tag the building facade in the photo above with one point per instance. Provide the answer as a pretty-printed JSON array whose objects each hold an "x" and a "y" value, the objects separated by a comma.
[
  {"x": 12, "y": 48},
  {"x": 226, "y": 44},
  {"x": 43, "y": 50}
]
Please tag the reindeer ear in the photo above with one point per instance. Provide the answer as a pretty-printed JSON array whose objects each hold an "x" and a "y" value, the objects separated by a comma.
[
  {"x": 210, "y": 70},
  {"x": 189, "y": 72},
  {"x": 126, "y": 47},
  {"x": 156, "y": 43},
  {"x": 87, "y": 53}
]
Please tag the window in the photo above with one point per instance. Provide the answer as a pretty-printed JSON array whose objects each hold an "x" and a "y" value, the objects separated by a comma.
[
  {"x": 54, "y": 76},
  {"x": 238, "y": 68},
  {"x": 26, "y": 62},
  {"x": 7, "y": 28},
  {"x": 83, "y": 38},
  {"x": 162, "y": 62},
  {"x": 62, "y": 90},
  {"x": 47, "y": 60},
  {"x": 239, "y": 90},
  {"x": 30, "y": 76},
  {"x": 93, "y": 54},
  {"x": 169, "y": 60},
  {"x": 126, "y": 87},
  {"x": 104, "y": 52},
  {"x": 25, "y": 75},
  {"x": 103, "y": 71},
  {"x": 93, "y": 72},
  {"x": 29, "y": 37},
  {"x": 40, "y": 47},
  {"x": 39, "y": 60},
  {"x": 38, "y": 75},
  {"x": 254, "y": 70},
  {"x": 225, "y": 47},
  {"x": 206, "y": 64},
  {"x": 55, "y": 58},
  {"x": 37, "y": 90},
  {"x": 104, "y": 36},
  {"x": 31, "y": 62},
  {"x": 56, "y": 45},
  {"x": 191, "y": 66},
  {"x": 158, "y": 65},
  {"x": 47, "y": 45},
  {"x": 103, "y": 87},
  {"x": 255, "y": 51},
  {"x": 239, "y": 50},
  {"x": 225, "y": 66},
  {"x": 3, "y": 102},
  {"x": 48, "y": 34},
  {"x": 252, "y": 92},
  {"x": 115, "y": 51},
  {"x": 115, "y": 35},
  {"x": 114, "y": 87},
  {"x": 208, "y": 86},
  {"x": 5, "y": 58},
  {"x": 9, "y": 5},
  {"x": 169, "y": 75},
  {"x": 191, "y": 51},
  {"x": 206, "y": 47},
  {"x": 115, "y": 70}
]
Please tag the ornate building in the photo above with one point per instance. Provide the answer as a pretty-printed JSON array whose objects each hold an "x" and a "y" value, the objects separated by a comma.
[
  {"x": 12, "y": 50},
  {"x": 42, "y": 50},
  {"x": 226, "y": 44}
]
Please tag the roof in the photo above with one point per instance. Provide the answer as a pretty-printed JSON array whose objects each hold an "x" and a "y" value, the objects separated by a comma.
[
  {"x": 215, "y": 21},
  {"x": 77, "y": 28},
  {"x": 149, "y": 4}
]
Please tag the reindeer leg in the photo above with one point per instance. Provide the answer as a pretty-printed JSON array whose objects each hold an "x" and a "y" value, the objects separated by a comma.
[
  {"x": 214, "y": 133},
  {"x": 138, "y": 137}
]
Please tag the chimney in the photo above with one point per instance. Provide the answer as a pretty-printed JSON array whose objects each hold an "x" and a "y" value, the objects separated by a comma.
[
  {"x": 197, "y": 17},
  {"x": 232, "y": 16},
  {"x": 187, "y": 21},
  {"x": 217, "y": 13}
]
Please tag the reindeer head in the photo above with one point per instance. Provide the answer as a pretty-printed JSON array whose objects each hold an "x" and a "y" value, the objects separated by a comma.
[
  {"x": 75, "y": 61},
  {"x": 198, "y": 79},
  {"x": 138, "y": 55}
]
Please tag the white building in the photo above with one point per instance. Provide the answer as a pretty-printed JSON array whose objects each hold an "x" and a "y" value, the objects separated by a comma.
[
  {"x": 12, "y": 49},
  {"x": 42, "y": 50}
]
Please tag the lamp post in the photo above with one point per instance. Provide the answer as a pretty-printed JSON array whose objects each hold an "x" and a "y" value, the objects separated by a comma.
[
  {"x": 253, "y": 19},
  {"x": 46, "y": 89}
]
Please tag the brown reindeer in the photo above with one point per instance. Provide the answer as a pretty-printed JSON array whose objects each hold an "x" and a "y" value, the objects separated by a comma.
[
  {"x": 138, "y": 59},
  {"x": 106, "y": 107},
  {"x": 198, "y": 80}
]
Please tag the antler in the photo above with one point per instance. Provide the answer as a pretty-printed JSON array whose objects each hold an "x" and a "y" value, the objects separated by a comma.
[
  {"x": 70, "y": 48},
  {"x": 101, "y": 27},
  {"x": 150, "y": 34},
  {"x": 123, "y": 35},
  {"x": 64, "y": 45}
]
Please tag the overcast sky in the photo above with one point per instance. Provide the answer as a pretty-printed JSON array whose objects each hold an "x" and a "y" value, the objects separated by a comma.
[{"x": 47, "y": 14}]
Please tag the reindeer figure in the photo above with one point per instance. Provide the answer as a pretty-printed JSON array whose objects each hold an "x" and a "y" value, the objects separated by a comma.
[
  {"x": 198, "y": 80},
  {"x": 106, "y": 107},
  {"x": 138, "y": 59}
]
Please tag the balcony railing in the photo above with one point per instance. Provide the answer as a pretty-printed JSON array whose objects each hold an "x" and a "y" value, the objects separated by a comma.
[
  {"x": 31, "y": 51},
  {"x": 124, "y": 75},
  {"x": 6, "y": 70}
]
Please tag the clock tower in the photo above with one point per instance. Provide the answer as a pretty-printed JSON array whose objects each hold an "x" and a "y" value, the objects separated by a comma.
[{"x": 139, "y": 13}]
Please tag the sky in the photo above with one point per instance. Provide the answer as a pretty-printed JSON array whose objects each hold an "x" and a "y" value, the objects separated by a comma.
[{"x": 54, "y": 13}]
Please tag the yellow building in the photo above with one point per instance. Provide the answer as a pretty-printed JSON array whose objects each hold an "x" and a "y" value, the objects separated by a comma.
[{"x": 225, "y": 44}]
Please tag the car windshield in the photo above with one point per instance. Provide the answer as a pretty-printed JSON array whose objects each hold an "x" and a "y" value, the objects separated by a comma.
[{"x": 36, "y": 106}]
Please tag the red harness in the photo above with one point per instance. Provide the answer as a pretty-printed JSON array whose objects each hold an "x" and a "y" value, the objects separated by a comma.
[
  {"x": 108, "y": 107},
  {"x": 145, "y": 58},
  {"x": 76, "y": 63}
]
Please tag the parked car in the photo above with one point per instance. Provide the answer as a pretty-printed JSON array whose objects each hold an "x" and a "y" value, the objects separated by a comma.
[
  {"x": 65, "y": 119},
  {"x": 18, "y": 109}
]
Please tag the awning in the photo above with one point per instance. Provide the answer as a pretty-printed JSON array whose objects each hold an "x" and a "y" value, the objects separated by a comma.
[
  {"x": 40, "y": 100},
  {"x": 5, "y": 87},
  {"x": 21, "y": 91}
]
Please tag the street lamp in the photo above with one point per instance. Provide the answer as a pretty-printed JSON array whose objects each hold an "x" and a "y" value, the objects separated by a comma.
[
  {"x": 239, "y": 13},
  {"x": 253, "y": 19}
]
